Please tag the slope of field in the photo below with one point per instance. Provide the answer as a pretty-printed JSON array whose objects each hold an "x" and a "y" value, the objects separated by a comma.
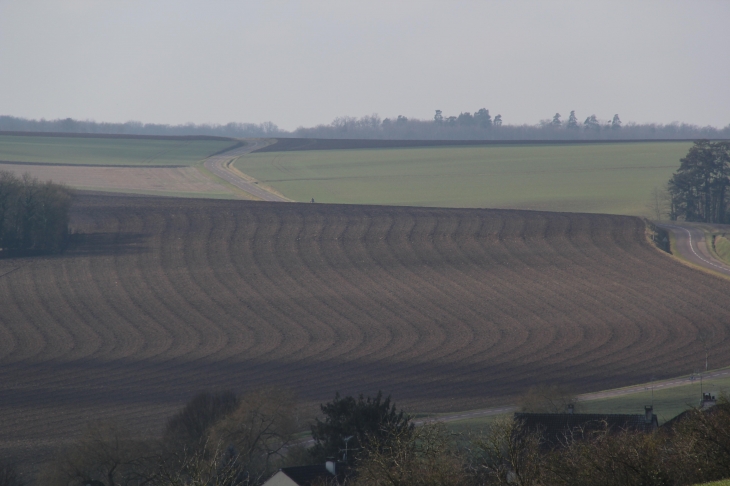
[
  {"x": 162, "y": 181},
  {"x": 447, "y": 309},
  {"x": 722, "y": 247},
  {"x": 133, "y": 151},
  {"x": 615, "y": 178}
]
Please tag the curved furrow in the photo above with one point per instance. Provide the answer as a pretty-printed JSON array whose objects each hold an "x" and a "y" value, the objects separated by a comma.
[
  {"x": 358, "y": 316},
  {"x": 642, "y": 306},
  {"x": 546, "y": 339},
  {"x": 448, "y": 309},
  {"x": 670, "y": 341},
  {"x": 469, "y": 267}
]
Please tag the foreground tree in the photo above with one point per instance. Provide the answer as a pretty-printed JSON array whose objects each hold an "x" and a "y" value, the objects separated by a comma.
[
  {"x": 426, "y": 455},
  {"x": 546, "y": 399},
  {"x": 351, "y": 423},
  {"x": 505, "y": 454},
  {"x": 699, "y": 187},
  {"x": 33, "y": 215},
  {"x": 107, "y": 454},
  {"x": 259, "y": 433}
]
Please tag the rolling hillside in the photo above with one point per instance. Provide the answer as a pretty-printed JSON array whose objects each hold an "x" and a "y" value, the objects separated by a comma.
[{"x": 447, "y": 309}]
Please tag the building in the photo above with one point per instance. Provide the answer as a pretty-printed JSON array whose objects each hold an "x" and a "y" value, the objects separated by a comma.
[
  {"x": 555, "y": 428},
  {"x": 330, "y": 473}
]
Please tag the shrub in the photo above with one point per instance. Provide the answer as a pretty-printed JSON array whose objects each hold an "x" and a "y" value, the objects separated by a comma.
[{"x": 34, "y": 215}]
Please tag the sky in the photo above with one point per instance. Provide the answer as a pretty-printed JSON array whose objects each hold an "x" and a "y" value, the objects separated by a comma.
[{"x": 303, "y": 63}]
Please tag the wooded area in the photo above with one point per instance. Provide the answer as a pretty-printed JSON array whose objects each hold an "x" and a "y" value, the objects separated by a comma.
[
  {"x": 34, "y": 215},
  {"x": 221, "y": 439},
  {"x": 699, "y": 187}
]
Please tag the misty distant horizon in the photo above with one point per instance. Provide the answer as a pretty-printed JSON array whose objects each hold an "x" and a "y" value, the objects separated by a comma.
[{"x": 303, "y": 64}]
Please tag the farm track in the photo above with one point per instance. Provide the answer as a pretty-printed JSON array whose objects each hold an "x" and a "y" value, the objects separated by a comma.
[{"x": 447, "y": 309}]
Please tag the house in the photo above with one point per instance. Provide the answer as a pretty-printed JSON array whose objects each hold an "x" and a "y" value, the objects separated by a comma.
[
  {"x": 330, "y": 473},
  {"x": 556, "y": 427}
]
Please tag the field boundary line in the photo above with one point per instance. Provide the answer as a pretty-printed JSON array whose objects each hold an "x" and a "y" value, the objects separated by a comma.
[
  {"x": 675, "y": 382},
  {"x": 233, "y": 190},
  {"x": 676, "y": 254},
  {"x": 219, "y": 165},
  {"x": 138, "y": 166}
]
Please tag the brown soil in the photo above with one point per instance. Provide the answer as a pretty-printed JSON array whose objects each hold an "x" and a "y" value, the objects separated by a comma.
[
  {"x": 158, "y": 180},
  {"x": 446, "y": 309},
  {"x": 114, "y": 135}
]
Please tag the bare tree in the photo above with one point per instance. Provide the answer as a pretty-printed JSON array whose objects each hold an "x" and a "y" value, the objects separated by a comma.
[
  {"x": 506, "y": 454},
  {"x": 659, "y": 204},
  {"x": 426, "y": 455},
  {"x": 106, "y": 454},
  {"x": 546, "y": 399},
  {"x": 259, "y": 432}
]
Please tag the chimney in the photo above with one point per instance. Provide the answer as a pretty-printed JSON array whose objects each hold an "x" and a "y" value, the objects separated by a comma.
[
  {"x": 649, "y": 413},
  {"x": 708, "y": 400},
  {"x": 330, "y": 465},
  {"x": 571, "y": 408}
]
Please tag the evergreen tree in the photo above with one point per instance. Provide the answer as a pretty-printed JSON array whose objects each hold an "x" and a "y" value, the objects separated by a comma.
[
  {"x": 699, "y": 187},
  {"x": 573, "y": 121},
  {"x": 349, "y": 423}
]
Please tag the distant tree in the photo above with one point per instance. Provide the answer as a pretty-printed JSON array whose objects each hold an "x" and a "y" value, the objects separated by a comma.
[
  {"x": 616, "y": 122},
  {"x": 483, "y": 118},
  {"x": 465, "y": 119},
  {"x": 498, "y": 121},
  {"x": 556, "y": 121},
  {"x": 659, "y": 204},
  {"x": 573, "y": 121},
  {"x": 401, "y": 120},
  {"x": 438, "y": 117},
  {"x": 451, "y": 121},
  {"x": 699, "y": 187},
  {"x": 591, "y": 123},
  {"x": 359, "y": 419}
]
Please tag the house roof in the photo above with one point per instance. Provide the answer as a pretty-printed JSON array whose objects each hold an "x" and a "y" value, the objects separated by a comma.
[
  {"x": 306, "y": 475},
  {"x": 554, "y": 427}
]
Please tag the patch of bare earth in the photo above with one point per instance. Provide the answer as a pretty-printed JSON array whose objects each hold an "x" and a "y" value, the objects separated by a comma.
[
  {"x": 447, "y": 309},
  {"x": 146, "y": 180}
]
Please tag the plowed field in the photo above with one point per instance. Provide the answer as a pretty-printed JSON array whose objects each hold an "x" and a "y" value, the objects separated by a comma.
[{"x": 446, "y": 309}]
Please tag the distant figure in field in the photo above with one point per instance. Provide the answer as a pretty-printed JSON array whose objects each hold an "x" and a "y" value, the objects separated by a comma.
[{"x": 312, "y": 199}]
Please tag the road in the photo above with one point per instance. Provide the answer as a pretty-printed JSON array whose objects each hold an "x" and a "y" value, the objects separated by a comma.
[
  {"x": 691, "y": 245},
  {"x": 219, "y": 165}
]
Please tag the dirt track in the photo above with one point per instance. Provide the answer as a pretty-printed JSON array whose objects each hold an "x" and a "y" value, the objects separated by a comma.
[
  {"x": 220, "y": 166},
  {"x": 446, "y": 309}
]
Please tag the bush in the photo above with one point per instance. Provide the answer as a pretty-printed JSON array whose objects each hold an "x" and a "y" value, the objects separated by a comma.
[{"x": 34, "y": 215}]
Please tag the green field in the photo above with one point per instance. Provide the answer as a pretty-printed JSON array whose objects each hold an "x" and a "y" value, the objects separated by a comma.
[
  {"x": 606, "y": 178},
  {"x": 668, "y": 403},
  {"x": 722, "y": 246},
  {"x": 107, "y": 151}
]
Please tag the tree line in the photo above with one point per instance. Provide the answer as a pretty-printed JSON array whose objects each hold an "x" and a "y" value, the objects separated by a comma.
[
  {"x": 34, "y": 215},
  {"x": 698, "y": 190},
  {"x": 479, "y": 125},
  {"x": 223, "y": 439}
]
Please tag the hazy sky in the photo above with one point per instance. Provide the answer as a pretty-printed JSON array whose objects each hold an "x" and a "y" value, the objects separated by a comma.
[{"x": 305, "y": 62}]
